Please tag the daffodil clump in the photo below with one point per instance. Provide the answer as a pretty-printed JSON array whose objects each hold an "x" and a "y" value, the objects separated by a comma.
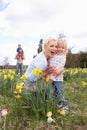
[
  {"x": 41, "y": 100},
  {"x": 18, "y": 91},
  {"x": 8, "y": 81},
  {"x": 19, "y": 87},
  {"x": 72, "y": 73},
  {"x": 38, "y": 103},
  {"x": 38, "y": 72}
]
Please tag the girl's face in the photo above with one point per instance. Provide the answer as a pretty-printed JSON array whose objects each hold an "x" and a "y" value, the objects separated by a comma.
[
  {"x": 51, "y": 49},
  {"x": 60, "y": 50}
]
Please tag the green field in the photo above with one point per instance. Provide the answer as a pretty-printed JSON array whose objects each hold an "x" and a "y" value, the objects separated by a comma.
[{"x": 27, "y": 111}]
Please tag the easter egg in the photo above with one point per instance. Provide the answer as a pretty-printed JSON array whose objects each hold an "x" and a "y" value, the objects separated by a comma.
[
  {"x": 62, "y": 113},
  {"x": 49, "y": 120}
]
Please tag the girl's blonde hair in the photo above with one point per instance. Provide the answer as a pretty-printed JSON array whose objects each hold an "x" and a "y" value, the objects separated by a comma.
[
  {"x": 47, "y": 40},
  {"x": 63, "y": 43}
]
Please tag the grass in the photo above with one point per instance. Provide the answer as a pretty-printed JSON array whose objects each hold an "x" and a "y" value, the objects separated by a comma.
[{"x": 29, "y": 113}]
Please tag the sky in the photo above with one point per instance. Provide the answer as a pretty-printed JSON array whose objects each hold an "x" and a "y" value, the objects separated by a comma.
[{"x": 28, "y": 21}]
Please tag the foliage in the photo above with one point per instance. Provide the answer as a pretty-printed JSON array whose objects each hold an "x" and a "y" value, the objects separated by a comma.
[
  {"x": 40, "y": 46},
  {"x": 40, "y": 101},
  {"x": 29, "y": 111},
  {"x": 76, "y": 60},
  {"x": 6, "y": 62},
  {"x": 71, "y": 74},
  {"x": 8, "y": 80},
  {"x": 83, "y": 59}
]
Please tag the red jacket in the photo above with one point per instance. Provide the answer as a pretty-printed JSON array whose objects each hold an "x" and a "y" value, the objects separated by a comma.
[{"x": 20, "y": 54}]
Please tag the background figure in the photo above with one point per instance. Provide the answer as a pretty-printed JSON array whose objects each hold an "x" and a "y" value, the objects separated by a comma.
[
  {"x": 20, "y": 57},
  {"x": 58, "y": 62},
  {"x": 20, "y": 54},
  {"x": 19, "y": 47}
]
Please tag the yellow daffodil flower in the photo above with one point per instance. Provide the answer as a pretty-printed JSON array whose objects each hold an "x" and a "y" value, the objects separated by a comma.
[
  {"x": 23, "y": 77},
  {"x": 18, "y": 87},
  {"x": 37, "y": 71},
  {"x": 18, "y": 96},
  {"x": 5, "y": 77},
  {"x": 47, "y": 79},
  {"x": 84, "y": 83}
]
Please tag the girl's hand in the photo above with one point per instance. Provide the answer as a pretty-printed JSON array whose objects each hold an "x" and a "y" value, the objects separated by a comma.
[
  {"x": 57, "y": 71},
  {"x": 49, "y": 70}
]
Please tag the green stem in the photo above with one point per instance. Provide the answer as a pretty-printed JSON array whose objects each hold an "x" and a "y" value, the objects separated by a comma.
[{"x": 4, "y": 123}]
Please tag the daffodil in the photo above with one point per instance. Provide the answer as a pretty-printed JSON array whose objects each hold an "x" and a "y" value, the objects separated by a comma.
[
  {"x": 18, "y": 96},
  {"x": 22, "y": 83},
  {"x": 17, "y": 91},
  {"x": 37, "y": 71},
  {"x": 11, "y": 71},
  {"x": 23, "y": 77},
  {"x": 5, "y": 77},
  {"x": 18, "y": 87},
  {"x": 47, "y": 79},
  {"x": 84, "y": 83},
  {"x": 11, "y": 77}
]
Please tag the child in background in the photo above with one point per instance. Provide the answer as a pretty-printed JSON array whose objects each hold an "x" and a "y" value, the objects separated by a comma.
[
  {"x": 19, "y": 47},
  {"x": 58, "y": 62},
  {"x": 20, "y": 54}
]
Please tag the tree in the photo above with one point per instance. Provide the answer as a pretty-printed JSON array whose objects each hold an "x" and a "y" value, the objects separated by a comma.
[
  {"x": 6, "y": 62},
  {"x": 61, "y": 35},
  {"x": 83, "y": 59},
  {"x": 72, "y": 60},
  {"x": 40, "y": 46}
]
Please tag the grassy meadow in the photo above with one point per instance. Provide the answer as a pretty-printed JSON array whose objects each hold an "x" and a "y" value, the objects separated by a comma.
[{"x": 24, "y": 110}]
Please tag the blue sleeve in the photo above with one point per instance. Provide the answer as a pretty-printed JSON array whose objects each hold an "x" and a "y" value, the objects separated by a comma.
[{"x": 17, "y": 50}]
